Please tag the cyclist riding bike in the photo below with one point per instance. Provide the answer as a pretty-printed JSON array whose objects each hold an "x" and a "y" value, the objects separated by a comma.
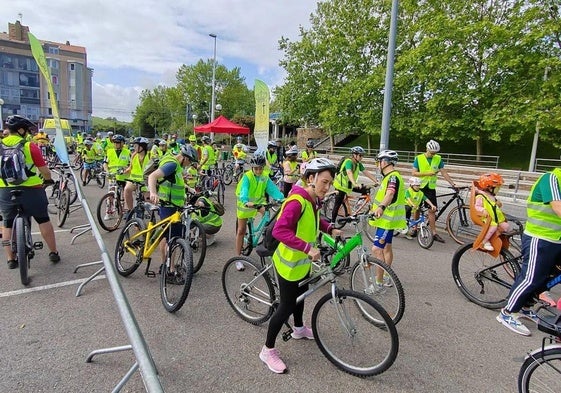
[
  {"x": 291, "y": 169},
  {"x": 139, "y": 162},
  {"x": 251, "y": 191},
  {"x": 239, "y": 151},
  {"x": 33, "y": 197},
  {"x": 166, "y": 185},
  {"x": 89, "y": 156},
  {"x": 414, "y": 199},
  {"x": 347, "y": 179}
]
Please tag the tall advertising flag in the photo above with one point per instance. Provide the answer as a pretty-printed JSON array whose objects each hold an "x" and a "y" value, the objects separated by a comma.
[
  {"x": 39, "y": 55},
  {"x": 261, "y": 132}
]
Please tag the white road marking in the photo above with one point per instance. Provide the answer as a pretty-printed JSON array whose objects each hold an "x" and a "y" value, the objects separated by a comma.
[
  {"x": 45, "y": 287},
  {"x": 56, "y": 231}
]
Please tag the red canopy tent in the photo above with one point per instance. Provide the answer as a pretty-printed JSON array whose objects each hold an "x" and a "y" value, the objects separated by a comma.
[{"x": 221, "y": 125}]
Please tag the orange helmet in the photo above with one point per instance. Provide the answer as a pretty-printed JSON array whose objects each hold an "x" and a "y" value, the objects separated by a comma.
[{"x": 490, "y": 180}]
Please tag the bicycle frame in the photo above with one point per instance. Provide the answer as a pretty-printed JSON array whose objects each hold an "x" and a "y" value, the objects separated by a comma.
[{"x": 455, "y": 197}]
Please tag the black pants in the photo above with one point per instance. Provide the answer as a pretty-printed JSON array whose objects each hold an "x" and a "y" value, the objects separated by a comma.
[
  {"x": 339, "y": 198},
  {"x": 289, "y": 292}
]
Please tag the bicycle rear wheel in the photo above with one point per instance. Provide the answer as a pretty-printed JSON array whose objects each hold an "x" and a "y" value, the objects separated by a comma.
[
  {"x": 220, "y": 190},
  {"x": 250, "y": 294},
  {"x": 425, "y": 237},
  {"x": 63, "y": 207},
  {"x": 390, "y": 295},
  {"x": 541, "y": 372},
  {"x": 328, "y": 207},
  {"x": 109, "y": 212},
  {"x": 483, "y": 279},
  {"x": 176, "y": 274},
  {"x": 459, "y": 225},
  {"x": 129, "y": 254},
  {"x": 197, "y": 241},
  {"x": 349, "y": 340},
  {"x": 21, "y": 229},
  {"x": 228, "y": 175}
]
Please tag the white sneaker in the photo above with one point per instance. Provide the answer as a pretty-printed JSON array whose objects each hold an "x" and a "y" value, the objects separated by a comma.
[
  {"x": 510, "y": 320},
  {"x": 488, "y": 246},
  {"x": 240, "y": 267},
  {"x": 106, "y": 217},
  {"x": 210, "y": 239},
  {"x": 404, "y": 231}
]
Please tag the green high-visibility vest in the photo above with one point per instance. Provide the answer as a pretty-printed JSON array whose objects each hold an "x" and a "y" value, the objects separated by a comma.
[
  {"x": 256, "y": 194},
  {"x": 424, "y": 166},
  {"x": 393, "y": 216},
  {"x": 32, "y": 178},
  {"x": 291, "y": 264},
  {"x": 173, "y": 192},
  {"x": 341, "y": 181},
  {"x": 122, "y": 161},
  {"x": 542, "y": 221}
]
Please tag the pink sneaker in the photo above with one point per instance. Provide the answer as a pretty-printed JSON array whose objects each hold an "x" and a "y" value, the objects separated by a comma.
[
  {"x": 270, "y": 356},
  {"x": 302, "y": 332}
]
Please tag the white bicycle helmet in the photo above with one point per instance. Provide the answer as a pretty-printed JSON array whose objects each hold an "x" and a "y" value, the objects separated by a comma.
[
  {"x": 414, "y": 181},
  {"x": 433, "y": 146},
  {"x": 357, "y": 150},
  {"x": 317, "y": 165},
  {"x": 388, "y": 155},
  {"x": 292, "y": 151}
]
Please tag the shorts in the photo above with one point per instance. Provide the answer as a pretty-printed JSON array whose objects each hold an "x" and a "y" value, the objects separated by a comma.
[
  {"x": 383, "y": 237},
  {"x": 177, "y": 228},
  {"x": 34, "y": 202},
  {"x": 430, "y": 194},
  {"x": 90, "y": 165}
]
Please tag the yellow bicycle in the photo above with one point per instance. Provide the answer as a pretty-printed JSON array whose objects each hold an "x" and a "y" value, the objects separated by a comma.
[{"x": 138, "y": 240}]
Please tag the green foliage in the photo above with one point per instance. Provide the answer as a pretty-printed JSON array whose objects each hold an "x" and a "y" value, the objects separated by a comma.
[{"x": 110, "y": 124}]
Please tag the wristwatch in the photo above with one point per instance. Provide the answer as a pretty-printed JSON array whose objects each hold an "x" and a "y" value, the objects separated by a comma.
[{"x": 382, "y": 207}]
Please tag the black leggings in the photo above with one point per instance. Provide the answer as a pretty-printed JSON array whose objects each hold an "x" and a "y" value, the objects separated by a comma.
[
  {"x": 339, "y": 198},
  {"x": 289, "y": 292}
]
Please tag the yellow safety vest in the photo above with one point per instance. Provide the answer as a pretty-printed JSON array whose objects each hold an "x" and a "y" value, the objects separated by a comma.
[
  {"x": 257, "y": 187},
  {"x": 291, "y": 264},
  {"x": 32, "y": 178},
  {"x": 542, "y": 221},
  {"x": 114, "y": 162},
  {"x": 424, "y": 166},
  {"x": 393, "y": 216},
  {"x": 341, "y": 181},
  {"x": 173, "y": 192}
]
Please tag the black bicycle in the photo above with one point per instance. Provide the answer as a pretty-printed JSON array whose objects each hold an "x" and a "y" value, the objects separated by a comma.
[
  {"x": 21, "y": 242},
  {"x": 541, "y": 370},
  {"x": 458, "y": 222}
]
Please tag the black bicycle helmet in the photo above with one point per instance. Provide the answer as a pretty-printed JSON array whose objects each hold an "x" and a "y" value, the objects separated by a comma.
[
  {"x": 118, "y": 138},
  {"x": 317, "y": 165},
  {"x": 258, "y": 159},
  {"x": 189, "y": 152},
  {"x": 357, "y": 150},
  {"x": 15, "y": 122},
  {"x": 310, "y": 144}
]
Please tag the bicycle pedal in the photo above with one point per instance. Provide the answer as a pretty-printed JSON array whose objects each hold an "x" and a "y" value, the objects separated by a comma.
[
  {"x": 38, "y": 245},
  {"x": 287, "y": 335},
  {"x": 151, "y": 273}
]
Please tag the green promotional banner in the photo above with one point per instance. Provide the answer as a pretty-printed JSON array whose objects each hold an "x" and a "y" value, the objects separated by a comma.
[{"x": 261, "y": 132}]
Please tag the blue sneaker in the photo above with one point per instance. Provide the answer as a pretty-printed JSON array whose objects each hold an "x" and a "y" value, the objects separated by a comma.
[
  {"x": 510, "y": 320},
  {"x": 529, "y": 315}
]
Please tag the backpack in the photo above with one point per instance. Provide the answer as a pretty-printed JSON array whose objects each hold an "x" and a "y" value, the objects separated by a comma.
[
  {"x": 12, "y": 164},
  {"x": 340, "y": 164},
  {"x": 269, "y": 241}
]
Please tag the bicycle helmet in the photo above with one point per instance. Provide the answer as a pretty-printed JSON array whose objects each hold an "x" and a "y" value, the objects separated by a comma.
[
  {"x": 272, "y": 144},
  {"x": 192, "y": 138},
  {"x": 293, "y": 151},
  {"x": 310, "y": 144},
  {"x": 490, "y": 180},
  {"x": 118, "y": 138},
  {"x": 433, "y": 146},
  {"x": 162, "y": 142},
  {"x": 205, "y": 139},
  {"x": 88, "y": 142},
  {"x": 189, "y": 152},
  {"x": 414, "y": 181},
  {"x": 258, "y": 159},
  {"x": 357, "y": 150},
  {"x": 318, "y": 165},
  {"x": 15, "y": 122},
  {"x": 84, "y": 134},
  {"x": 110, "y": 134},
  {"x": 387, "y": 155}
]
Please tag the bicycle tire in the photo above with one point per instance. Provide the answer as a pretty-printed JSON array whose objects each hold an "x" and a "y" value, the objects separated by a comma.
[
  {"x": 425, "y": 238},
  {"x": 220, "y": 190},
  {"x": 122, "y": 264},
  {"x": 472, "y": 273},
  {"x": 180, "y": 279},
  {"x": 100, "y": 179},
  {"x": 197, "y": 242},
  {"x": 63, "y": 207},
  {"x": 53, "y": 198},
  {"x": 254, "y": 303},
  {"x": 354, "y": 345},
  {"x": 540, "y": 372},
  {"x": 328, "y": 206},
  {"x": 391, "y": 298},
  {"x": 111, "y": 224},
  {"x": 228, "y": 175},
  {"x": 21, "y": 252},
  {"x": 71, "y": 186},
  {"x": 459, "y": 225}
]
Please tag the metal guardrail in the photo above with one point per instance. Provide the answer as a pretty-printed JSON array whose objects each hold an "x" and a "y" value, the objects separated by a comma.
[{"x": 547, "y": 164}]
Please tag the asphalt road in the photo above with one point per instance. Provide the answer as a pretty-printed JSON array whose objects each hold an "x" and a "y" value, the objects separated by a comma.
[{"x": 447, "y": 344}]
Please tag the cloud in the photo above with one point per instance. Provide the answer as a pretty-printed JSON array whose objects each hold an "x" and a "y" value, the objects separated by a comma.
[{"x": 137, "y": 44}]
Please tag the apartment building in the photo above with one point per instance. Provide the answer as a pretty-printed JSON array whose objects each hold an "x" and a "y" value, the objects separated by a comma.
[{"x": 24, "y": 90}]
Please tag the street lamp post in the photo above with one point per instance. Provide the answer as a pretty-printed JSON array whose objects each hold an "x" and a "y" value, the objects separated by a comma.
[
  {"x": 213, "y": 99},
  {"x": 194, "y": 121},
  {"x": 1, "y": 119}
]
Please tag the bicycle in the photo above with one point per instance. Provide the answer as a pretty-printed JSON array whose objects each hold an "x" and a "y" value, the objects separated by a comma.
[
  {"x": 254, "y": 233},
  {"x": 425, "y": 238},
  {"x": 351, "y": 205},
  {"x": 363, "y": 273},
  {"x": 352, "y": 330},
  {"x": 458, "y": 223},
  {"x": 96, "y": 173},
  {"x": 61, "y": 196},
  {"x": 111, "y": 205},
  {"x": 21, "y": 241},
  {"x": 138, "y": 241},
  {"x": 215, "y": 183},
  {"x": 541, "y": 370}
]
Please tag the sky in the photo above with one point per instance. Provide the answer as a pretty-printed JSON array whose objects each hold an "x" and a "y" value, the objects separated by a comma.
[{"x": 134, "y": 45}]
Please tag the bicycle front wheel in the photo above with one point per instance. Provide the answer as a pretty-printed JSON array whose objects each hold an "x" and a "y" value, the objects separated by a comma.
[
  {"x": 129, "y": 253},
  {"x": 63, "y": 207},
  {"x": 228, "y": 175},
  {"x": 71, "y": 186},
  {"x": 176, "y": 274},
  {"x": 109, "y": 212},
  {"x": 425, "y": 237},
  {"x": 483, "y": 279},
  {"x": 197, "y": 241},
  {"x": 389, "y": 295},
  {"x": 459, "y": 225},
  {"x": 21, "y": 252},
  {"x": 349, "y": 340},
  {"x": 248, "y": 291},
  {"x": 541, "y": 372}
]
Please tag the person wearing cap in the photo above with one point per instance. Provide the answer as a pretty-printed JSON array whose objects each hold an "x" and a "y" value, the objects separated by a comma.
[
  {"x": 291, "y": 169},
  {"x": 198, "y": 148},
  {"x": 208, "y": 160},
  {"x": 167, "y": 188},
  {"x": 427, "y": 166}
]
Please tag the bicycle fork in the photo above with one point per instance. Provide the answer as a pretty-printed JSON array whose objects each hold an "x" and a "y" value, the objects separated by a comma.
[{"x": 346, "y": 322}]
